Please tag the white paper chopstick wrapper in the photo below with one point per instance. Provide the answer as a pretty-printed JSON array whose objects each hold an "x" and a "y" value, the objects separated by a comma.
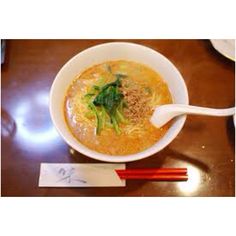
[{"x": 80, "y": 175}]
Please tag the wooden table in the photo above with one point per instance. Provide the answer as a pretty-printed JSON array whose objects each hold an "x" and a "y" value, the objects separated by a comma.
[{"x": 205, "y": 145}]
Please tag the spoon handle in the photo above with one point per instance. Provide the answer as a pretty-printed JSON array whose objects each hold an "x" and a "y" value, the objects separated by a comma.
[
  {"x": 165, "y": 113},
  {"x": 187, "y": 109}
]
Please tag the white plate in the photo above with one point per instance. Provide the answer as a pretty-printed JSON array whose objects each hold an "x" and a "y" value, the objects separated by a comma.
[{"x": 225, "y": 46}]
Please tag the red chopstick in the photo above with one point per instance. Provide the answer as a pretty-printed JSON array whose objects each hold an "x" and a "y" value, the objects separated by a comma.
[
  {"x": 164, "y": 174},
  {"x": 157, "y": 177},
  {"x": 154, "y": 171}
]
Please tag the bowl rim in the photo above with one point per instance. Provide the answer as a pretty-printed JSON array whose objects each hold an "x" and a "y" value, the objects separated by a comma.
[{"x": 117, "y": 158}]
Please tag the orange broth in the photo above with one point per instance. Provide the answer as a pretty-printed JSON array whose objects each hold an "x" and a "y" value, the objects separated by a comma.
[{"x": 134, "y": 137}]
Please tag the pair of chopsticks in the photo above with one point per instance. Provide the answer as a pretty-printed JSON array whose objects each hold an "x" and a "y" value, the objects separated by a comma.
[{"x": 160, "y": 174}]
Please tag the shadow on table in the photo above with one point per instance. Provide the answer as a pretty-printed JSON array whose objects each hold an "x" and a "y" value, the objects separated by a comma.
[
  {"x": 230, "y": 127},
  {"x": 194, "y": 162},
  {"x": 5, "y": 65}
]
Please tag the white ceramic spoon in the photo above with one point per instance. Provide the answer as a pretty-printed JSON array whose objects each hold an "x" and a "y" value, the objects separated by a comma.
[{"x": 164, "y": 113}]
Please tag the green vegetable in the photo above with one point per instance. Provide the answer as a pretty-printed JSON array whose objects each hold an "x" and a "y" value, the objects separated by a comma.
[
  {"x": 115, "y": 124},
  {"x": 96, "y": 87},
  {"x": 88, "y": 98},
  {"x": 120, "y": 76},
  {"x": 106, "y": 103},
  {"x": 108, "y": 68},
  {"x": 108, "y": 124},
  {"x": 100, "y": 82},
  {"x": 90, "y": 114},
  {"x": 148, "y": 90},
  {"x": 103, "y": 117},
  {"x": 120, "y": 118},
  {"x": 89, "y": 95},
  {"x": 98, "y": 118},
  {"x": 109, "y": 98}
]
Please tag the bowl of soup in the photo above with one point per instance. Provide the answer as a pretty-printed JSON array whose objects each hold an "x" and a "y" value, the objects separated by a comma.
[{"x": 102, "y": 99}]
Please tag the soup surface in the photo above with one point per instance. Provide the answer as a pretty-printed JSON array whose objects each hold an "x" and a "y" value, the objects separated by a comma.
[{"x": 108, "y": 107}]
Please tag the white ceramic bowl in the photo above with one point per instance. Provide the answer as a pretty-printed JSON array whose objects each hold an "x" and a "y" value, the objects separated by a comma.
[{"x": 116, "y": 51}]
